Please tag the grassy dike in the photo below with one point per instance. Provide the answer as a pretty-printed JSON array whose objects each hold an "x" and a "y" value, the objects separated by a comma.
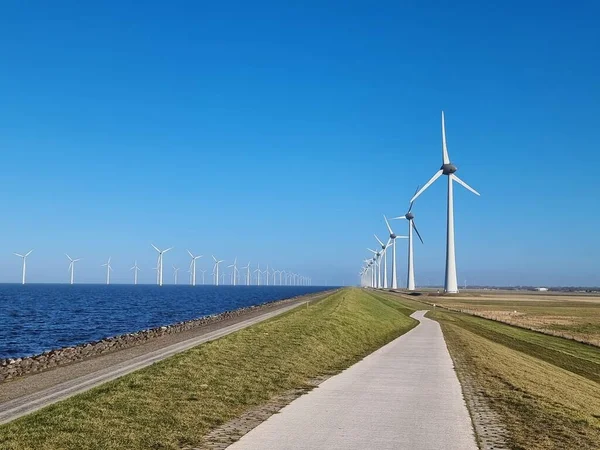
[
  {"x": 174, "y": 403},
  {"x": 545, "y": 389}
]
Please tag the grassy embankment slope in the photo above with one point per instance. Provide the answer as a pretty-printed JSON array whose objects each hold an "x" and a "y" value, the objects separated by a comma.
[
  {"x": 545, "y": 389},
  {"x": 174, "y": 403}
]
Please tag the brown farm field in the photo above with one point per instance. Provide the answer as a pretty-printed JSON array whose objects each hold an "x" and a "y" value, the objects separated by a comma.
[{"x": 569, "y": 315}]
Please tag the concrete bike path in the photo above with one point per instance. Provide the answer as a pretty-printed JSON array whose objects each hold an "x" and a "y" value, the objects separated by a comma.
[{"x": 403, "y": 396}]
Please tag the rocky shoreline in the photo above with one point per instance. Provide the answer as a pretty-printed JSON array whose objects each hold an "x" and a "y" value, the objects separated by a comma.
[{"x": 15, "y": 367}]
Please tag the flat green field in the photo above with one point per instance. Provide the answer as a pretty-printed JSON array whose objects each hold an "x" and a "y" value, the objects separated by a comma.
[
  {"x": 545, "y": 389},
  {"x": 175, "y": 403},
  {"x": 574, "y": 316}
]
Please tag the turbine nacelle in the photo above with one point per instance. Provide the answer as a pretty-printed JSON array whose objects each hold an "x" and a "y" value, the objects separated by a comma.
[
  {"x": 448, "y": 169},
  {"x": 409, "y": 216}
]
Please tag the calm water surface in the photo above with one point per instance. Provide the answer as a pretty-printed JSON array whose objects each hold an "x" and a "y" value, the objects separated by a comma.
[{"x": 39, "y": 317}]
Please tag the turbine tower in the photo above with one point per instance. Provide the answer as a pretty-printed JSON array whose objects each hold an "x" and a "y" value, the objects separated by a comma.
[
  {"x": 135, "y": 269},
  {"x": 108, "y": 269},
  {"x": 193, "y": 267},
  {"x": 448, "y": 169},
  {"x": 410, "y": 280},
  {"x": 72, "y": 266},
  {"x": 216, "y": 269},
  {"x": 159, "y": 264},
  {"x": 24, "y": 263},
  {"x": 377, "y": 261}
]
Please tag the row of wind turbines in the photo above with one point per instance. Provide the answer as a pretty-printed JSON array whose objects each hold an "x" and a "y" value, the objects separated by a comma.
[
  {"x": 370, "y": 274},
  {"x": 268, "y": 277}
]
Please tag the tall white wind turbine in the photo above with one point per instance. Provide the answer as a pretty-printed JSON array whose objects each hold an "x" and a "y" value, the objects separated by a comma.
[
  {"x": 193, "y": 267},
  {"x": 410, "y": 217},
  {"x": 24, "y": 263},
  {"x": 72, "y": 267},
  {"x": 377, "y": 261},
  {"x": 108, "y": 269},
  {"x": 202, "y": 272},
  {"x": 135, "y": 269},
  {"x": 159, "y": 264},
  {"x": 216, "y": 269},
  {"x": 448, "y": 169}
]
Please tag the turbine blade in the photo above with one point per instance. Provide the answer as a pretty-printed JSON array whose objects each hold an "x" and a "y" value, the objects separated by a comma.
[
  {"x": 190, "y": 253},
  {"x": 70, "y": 259},
  {"x": 372, "y": 251},
  {"x": 213, "y": 256},
  {"x": 388, "y": 224},
  {"x": 378, "y": 240},
  {"x": 429, "y": 183},
  {"x": 170, "y": 248},
  {"x": 20, "y": 255},
  {"x": 445, "y": 157},
  {"x": 29, "y": 252},
  {"x": 398, "y": 218},
  {"x": 465, "y": 185},
  {"x": 155, "y": 248},
  {"x": 411, "y": 203},
  {"x": 417, "y": 231}
]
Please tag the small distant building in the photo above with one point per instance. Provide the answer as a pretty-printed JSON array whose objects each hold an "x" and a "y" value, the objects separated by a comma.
[{"x": 541, "y": 289}]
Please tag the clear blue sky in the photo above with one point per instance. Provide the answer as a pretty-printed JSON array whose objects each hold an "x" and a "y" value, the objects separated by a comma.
[{"x": 281, "y": 133}]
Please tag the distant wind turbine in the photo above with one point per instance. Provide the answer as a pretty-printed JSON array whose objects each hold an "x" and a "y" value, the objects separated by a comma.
[
  {"x": 135, "y": 269},
  {"x": 393, "y": 237},
  {"x": 202, "y": 272},
  {"x": 72, "y": 266},
  {"x": 159, "y": 264},
  {"x": 24, "y": 263},
  {"x": 247, "y": 273},
  {"x": 258, "y": 272},
  {"x": 175, "y": 271},
  {"x": 193, "y": 267},
  {"x": 216, "y": 269},
  {"x": 235, "y": 270},
  {"x": 108, "y": 269},
  {"x": 384, "y": 248},
  {"x": 448, "y": 169},
  {"x": 410, "y": 281}
]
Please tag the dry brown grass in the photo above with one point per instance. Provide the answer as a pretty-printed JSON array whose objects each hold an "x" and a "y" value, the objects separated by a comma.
[{"x": 572, "y": 316}]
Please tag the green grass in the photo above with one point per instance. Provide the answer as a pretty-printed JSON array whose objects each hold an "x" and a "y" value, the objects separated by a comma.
[
  {"x": 545, "y": 389},
  {"x": 174, "y": 403}
]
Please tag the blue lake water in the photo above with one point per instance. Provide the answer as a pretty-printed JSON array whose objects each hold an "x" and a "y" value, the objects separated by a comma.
[{"x": 39, "y": 317}]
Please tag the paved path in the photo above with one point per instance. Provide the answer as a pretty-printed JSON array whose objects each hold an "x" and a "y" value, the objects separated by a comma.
[
  {"x": 403, "y": 396},
  {"x": 26, "y": 404}
]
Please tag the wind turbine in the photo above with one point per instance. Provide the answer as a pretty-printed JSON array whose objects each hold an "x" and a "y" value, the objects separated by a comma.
[
  {"x": 393, "y": 237},
  {"x": 108, "y": 269},
  {"x": 216, "y": 269},
  {"x": 258, "y": 272},
  {"x": 203, "y": 272},
  {"x": 377, "y": 261},
  {"x": 193, "y": 267},
  {"x": 175, "y": 272},
  {"x": 384, "y": 248},
  {"x": 135, "y": 269},
  {"x": 159, "y": 264},
  {"x": 247, "y": 273},
  {"x": 235, "y": 270},
  {"x": 72, "y": 266},
  {"x": 410, "y": 282},
  {"x": 448, "y": 169},
  {"x": 24, "y": 262},
  {"x": 266, "y": 272}
]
